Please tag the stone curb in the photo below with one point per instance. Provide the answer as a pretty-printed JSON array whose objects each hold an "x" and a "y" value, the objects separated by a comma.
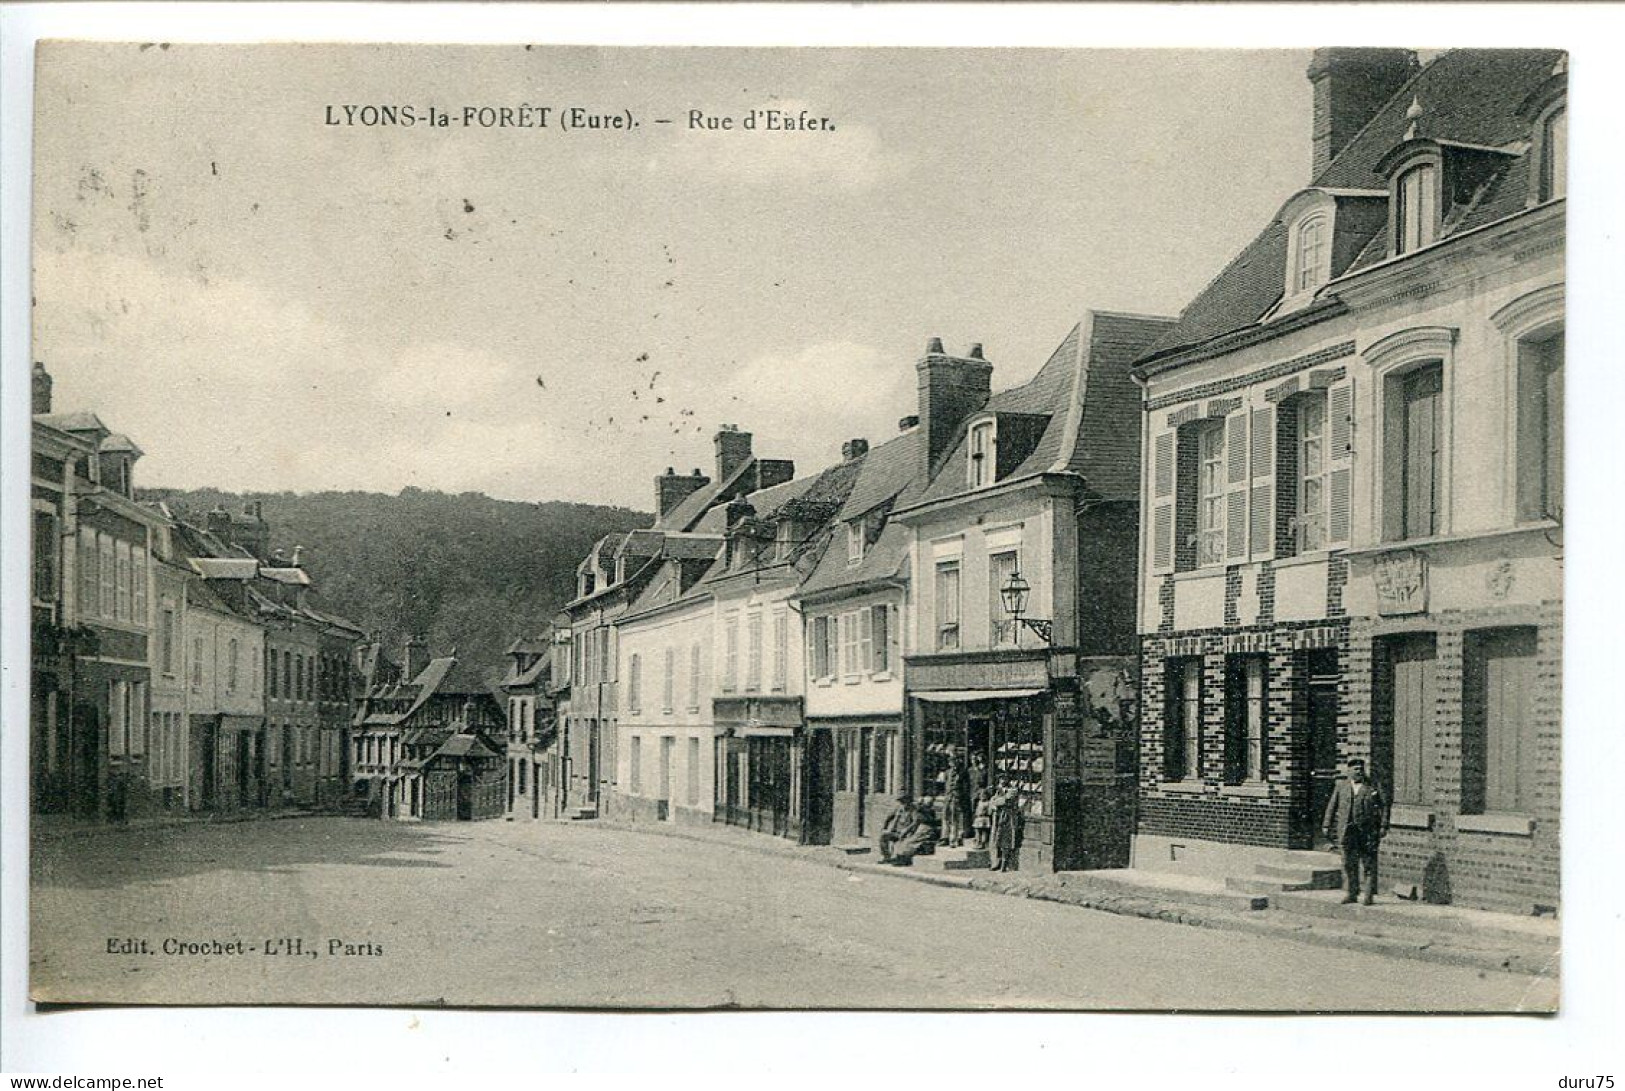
[
  {"x": 1421, "y": 946},
  {"x": 66, "y": 833}
]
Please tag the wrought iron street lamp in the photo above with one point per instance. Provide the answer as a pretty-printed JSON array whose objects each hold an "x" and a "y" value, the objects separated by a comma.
[{"x": 1015, "y": 595}]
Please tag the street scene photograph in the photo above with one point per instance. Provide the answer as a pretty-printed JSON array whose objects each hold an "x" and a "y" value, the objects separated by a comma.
[{"x": 555, "y": 527}]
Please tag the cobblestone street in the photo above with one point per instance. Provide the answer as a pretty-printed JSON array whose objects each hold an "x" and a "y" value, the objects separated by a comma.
[{"x": 500, "y": 914}]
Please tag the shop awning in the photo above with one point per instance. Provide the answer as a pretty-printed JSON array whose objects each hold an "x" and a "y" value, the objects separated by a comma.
[
  {"x": 772, "y": 731},
  {"x": 960, "y": 696}
]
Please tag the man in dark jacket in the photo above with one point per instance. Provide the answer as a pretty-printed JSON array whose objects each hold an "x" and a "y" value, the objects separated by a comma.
[{"x": 1356, "y": 819}]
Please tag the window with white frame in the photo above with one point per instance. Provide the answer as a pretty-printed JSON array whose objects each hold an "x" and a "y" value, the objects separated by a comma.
[
  {"x": 730, "y": 653},
  {"x": 882, "y": 638},
  {"x": 753, "y": 651},
  {"x": 866, "y": 640},
  {"x": 694, "y": 678},
  {"x": 947, "y": 605},
  {"x": 1412, "y": 445},
  {"x": 89, "y": 579},
  {"x": 1001, "y": 567},
  {"x": 634, "y": 683},
  {"x": 854, "y": 542},
  {"x": 1182, "y": 720},
  {"x": 1244, "y": 719},
  {"x": 848, "y": 623},
  {"x": 1309, "y": 524},
  {"x": 197, "y": 662},
  {"x": 781, "y": 650},
  {"x": 1540, "y": 426},
  {"x": 231, "y": 665},
  {"x": 668, "y": 693},
  {"x": 980, "y": 468},
  {"x": 636, "y": 758},
  {"x": 1210, "y": 494},
  {"x": 109, "y": 570},
  {"x": 1416, "y": 208},
  {"x": 1311, "y": 264}
]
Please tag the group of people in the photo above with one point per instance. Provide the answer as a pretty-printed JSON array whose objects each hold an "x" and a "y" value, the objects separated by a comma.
[{"x": 971, "y": 809}]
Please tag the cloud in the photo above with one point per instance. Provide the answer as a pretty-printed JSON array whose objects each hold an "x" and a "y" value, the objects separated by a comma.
[{"x": 851, "y": 157}]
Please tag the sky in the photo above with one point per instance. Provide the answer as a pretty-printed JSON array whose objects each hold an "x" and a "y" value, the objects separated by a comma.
[{"x": 267, "y": 302}]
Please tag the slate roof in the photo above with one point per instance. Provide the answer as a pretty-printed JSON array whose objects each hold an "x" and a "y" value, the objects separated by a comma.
[
  {"x": 1086, "y": 391},
  {"x": 1466, "y": 96}
]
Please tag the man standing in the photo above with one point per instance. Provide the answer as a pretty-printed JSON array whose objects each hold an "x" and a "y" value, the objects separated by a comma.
[{"x": 1356, "y": 819}]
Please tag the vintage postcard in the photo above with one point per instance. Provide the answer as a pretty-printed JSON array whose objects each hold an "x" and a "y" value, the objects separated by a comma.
[{"x": 687, "y": 528}]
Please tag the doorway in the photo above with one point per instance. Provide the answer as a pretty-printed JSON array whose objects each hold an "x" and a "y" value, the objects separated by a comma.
[
  {"x": 1320, "y": 685},
  {"x": 465, "y": 796}
]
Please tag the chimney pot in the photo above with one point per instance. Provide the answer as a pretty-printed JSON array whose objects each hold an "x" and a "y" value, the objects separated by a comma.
[
  {"x": 854, "y": 448},
  {"x": 933, "y": 347},
  {"x": 733, "y": 450},
  {"x": 42, "y": 389},
  {"x": 976, "y": 351},
  {"x": 910, "y": 421}
]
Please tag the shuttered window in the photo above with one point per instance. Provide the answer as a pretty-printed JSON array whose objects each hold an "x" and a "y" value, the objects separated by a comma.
[
  {"x": 1162, "y": 503},
  {"x": 1000, "y": 568},
  {"x": 1416, "y": 208},
  {"x": 1339, "y": 454},
  {"x": 1261, "y": 530},
  {"x": 1540, "y": 427},
  {"x": 781, "y": 649},
  {"x": 1499, "y": 743},
  {"x": 1211, "y": 495},
  {"x": 1413, "y": 406}
]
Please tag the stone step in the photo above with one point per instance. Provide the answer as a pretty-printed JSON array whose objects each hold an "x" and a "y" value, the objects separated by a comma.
[
  {"x": 1392, "y": 912},
  {"x": 1300, "y": 876},
  {"x": 857, "y": 849},
  {"x": 1257, "y": 885},
  {"x": 580, "y": 814},
  {"x": 971, "y": 859},
  {"x": 1176, "y": 888}
]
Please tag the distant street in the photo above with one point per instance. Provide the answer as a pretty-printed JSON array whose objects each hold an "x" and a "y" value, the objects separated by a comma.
[{"x": 509, "y": 914}]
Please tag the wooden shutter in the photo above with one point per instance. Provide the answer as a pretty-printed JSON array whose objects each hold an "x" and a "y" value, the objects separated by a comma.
[
  {"x": 1236, "y": 486},
  {"x": 1340, "y": 459},
  {"x": 1263, "y": 487},
  {"x": 1162, "y": 505}
]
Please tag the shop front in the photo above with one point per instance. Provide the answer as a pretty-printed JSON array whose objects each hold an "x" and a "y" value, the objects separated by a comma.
[
  {"x": 760, "y": 782},
  {"x": 1054, "y": 729},
  {"x": 858, "y": 761}
]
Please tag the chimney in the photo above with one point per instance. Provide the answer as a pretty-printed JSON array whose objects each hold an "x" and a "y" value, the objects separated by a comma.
[
  {"x": 414, "y": 658},
  {"x": 774, "y": 471},
  {"x": 218, "y": 523},
  {"x": 42, "y": 389},
  {"x": 1350, "y": 86},
  {"x": 854, "y": 448},
  {"x": 733, "y": 450},
  {"x": 672, "y": 489},
  {"x": 951, "y": 389}
]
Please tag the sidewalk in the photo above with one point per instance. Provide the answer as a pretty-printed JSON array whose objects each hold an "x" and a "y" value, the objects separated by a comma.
[
  {"x": 56, "y": 827},
  {"x": 1430, "y": 933}
]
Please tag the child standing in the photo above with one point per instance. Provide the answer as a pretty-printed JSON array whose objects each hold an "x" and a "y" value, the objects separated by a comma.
[{"x": 983, "y": 821}]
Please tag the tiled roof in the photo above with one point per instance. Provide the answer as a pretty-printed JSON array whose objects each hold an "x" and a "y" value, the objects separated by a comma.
[
  {"x": 882, "y": 560},
  {"x": 1466, "y": 96},
  {"x": 887, "y": 471},
  {"x": 81, "y": 420}
]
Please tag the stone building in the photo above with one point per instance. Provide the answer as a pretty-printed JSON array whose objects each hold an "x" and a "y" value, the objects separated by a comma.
[{"x": 1353, "y": 492}]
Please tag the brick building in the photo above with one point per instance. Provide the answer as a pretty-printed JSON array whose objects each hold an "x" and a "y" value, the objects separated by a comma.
[
  {"x": 1038, "y": 482},
  {"x": 1353, "y": 488}
]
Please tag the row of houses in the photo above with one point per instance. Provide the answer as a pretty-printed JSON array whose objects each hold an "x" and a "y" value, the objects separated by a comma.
[
  {"x": 1166, "y": 588},
  {"x": 177, "y": 668}
]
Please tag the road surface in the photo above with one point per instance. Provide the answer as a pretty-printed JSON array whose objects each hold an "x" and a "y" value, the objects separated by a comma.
[{"x": 357, "y": 911}]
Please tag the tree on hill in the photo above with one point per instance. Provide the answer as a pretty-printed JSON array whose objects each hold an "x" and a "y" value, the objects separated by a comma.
[{"x": 465, "y": 571}]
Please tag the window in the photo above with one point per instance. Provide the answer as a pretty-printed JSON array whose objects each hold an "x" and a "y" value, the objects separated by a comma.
[
  {"x": 135, "y": 716},
  {"x": 166, "y": 640},
  {"x": 1210, "y": 495},
  {"x": 883, "y": 764},
  {"x": 197, "y": 662},
  {"x": 849, "y": 645},
  {"x": 1000, "y": 568},
  {"x": 865, "y": 625},
  {"x": 1309, "y": 269},
  {"x": 138, "y": 577},
  {"x": 124, "y": 562},
  {"x": 694, "y": 677},
  {"x": 882, "y": 638},
  {"x": 231, "y": 665},
  {"x": 1403, "y": 699},
  {"x": 848, "y": 758},
  {"x": 1499, "y": 737},
  {"x": 668, "y": 694},
  {"x": 1310, "y": 523},
  {"x": 634, "y": 683},
  {"x": 1554, "y": 155},
  {"x": 45, "y": 556},
  {"x": 89, "y": 579},
  {"x": 730, "y": 653},
  {"x": 1416, "y": 209},
  {"x": 753, "y": 652},
  {"x": 118, "y": 718},
  {"x": 1412, "y": 444},
  {"x": 820, "y": 647},
  {"x": 1182, "y": 724},
  {"x": 271, "y": 689},
  {"x": 288, "y": 690},
  {"x": 854, "y": 542},
  {"x": 109, "y": 571},
  {"x": 1244, "y": 712},
  {"x": 637, "y": 765},
  {"x": 1540, "y": 427},
  {"x": 693, "y": 772},
  {"x": 981, "y": 468},
  {"x": 781, "y": 650},
  {"x": 947, "y": 598}
]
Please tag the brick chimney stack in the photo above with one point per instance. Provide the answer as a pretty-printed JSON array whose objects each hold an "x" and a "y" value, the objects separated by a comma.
[
  {"x": 1350, "y": 86},
  {"x": 733, "y": 450},
  {"x": 414, "y": 658},
  {"x": 951, "y": 389},
  {"x": 854, "y": 448},
  {"x": 672, "y": 488},
  {"x": 42, "y": 389}
]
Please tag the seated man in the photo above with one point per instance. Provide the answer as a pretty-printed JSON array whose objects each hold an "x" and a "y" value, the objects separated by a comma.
[{"x": 900, "y": 825}]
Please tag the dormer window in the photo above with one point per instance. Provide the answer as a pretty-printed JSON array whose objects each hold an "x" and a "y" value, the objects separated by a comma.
[
  {"x": 1309, "y": 267},
  {"x": 1554, "y": 154},
  {"x": 1416, "y": 208},
  {"x": 854, "y": 542},
  {"x": 980, "y": 470}
]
